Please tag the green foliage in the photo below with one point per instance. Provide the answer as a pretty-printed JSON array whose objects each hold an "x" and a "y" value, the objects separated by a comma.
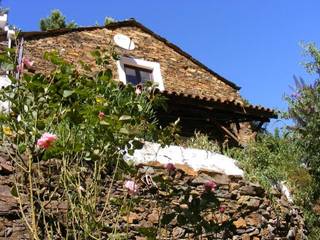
[
  {"x": 200, "y": 141},
  {"x": 55, "y": 21},
  {"x": 277, "y": 158},
  {"x": 108, "y": 20},
  {"x": 292, "y": 156},
  {"x": 271, "y": 159},
  {"x": 194, "y": 211},
  {"x": 96, "y": 121},
  {"x": 304, "y": 109}
]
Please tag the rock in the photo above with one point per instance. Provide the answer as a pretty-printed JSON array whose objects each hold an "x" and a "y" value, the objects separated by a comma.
[
  {"x": 141, "y": 238},
  {"x": 5, "y": 166},
  {"x": 243, "y": 199},
  {"x": 245, "y": 236},
  {"x": 131, "y": 218},
  {"x": 254, "y": 219},
  {"x": 221, "y": 179},
  {"x": 255, "y": 232},
  {"x": 220, "y": 194},
  {"x": 154, "y": 216},
  {"x": 233, "y": 186},
  {"x": 291, "y": 234},
  {"x": 8, "y": 232},
  {"x": 201, "y": 179},
  {"x": 252, "y": 190},
  {"x": 253, "y": 203},
  {"x": 240, "y": 223},
  {"x": 186, "y": 169},
  {"x": 178, "y": 232},
  {"x": 8, "y": 203}
]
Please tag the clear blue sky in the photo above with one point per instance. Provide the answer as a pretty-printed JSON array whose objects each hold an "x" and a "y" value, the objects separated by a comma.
[{"x": 252, "y": 43}]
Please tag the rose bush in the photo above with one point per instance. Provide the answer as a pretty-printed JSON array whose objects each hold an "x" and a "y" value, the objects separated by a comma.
[{"x": 85, "y": 120}]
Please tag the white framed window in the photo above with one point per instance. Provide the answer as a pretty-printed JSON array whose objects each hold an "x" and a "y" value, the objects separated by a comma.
[{"x": 136, "y": 71}]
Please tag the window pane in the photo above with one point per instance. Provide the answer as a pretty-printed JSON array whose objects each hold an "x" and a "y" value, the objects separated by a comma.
[
  {"x": 145, "y": 76},
  {"x": 136, "y": 75},
  {"x": 131, "y": 75}
]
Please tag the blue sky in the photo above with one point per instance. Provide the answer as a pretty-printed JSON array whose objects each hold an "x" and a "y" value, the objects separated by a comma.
[{"x": 252, "y": 43}]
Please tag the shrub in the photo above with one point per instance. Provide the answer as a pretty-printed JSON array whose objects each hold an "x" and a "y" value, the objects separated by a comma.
[
  {"x": 200, "y": 141},
  {"x": 87, "y": 122}
]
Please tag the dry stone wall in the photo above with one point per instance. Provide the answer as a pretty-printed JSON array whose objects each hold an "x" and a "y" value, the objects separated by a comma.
[{"x": 246, "y": 206}]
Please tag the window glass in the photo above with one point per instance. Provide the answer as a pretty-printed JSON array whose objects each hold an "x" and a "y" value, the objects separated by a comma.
[
  {"x": 145, "y": 76},
  {"x": 131, "y": 75},
  {"x": 136, "y": 75}
]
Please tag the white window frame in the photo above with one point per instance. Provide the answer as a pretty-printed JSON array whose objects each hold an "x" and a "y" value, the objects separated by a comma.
[{"x": 140, "y": 63}]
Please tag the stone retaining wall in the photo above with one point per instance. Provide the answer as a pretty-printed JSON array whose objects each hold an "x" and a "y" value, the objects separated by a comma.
[{"x": 249, "y": 210}]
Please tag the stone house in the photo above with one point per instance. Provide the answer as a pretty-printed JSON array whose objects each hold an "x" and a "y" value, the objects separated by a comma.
[{"x": 201, "y": 98}]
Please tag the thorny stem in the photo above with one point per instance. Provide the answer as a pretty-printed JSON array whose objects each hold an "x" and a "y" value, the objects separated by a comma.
[
  {"x": 128, "y": 215},
  {"x": 33, "y": 214},
  {"x": 109, "y": 191},
  {"x": 21, "y": 208},
  {"x": 117, "y": 218}
]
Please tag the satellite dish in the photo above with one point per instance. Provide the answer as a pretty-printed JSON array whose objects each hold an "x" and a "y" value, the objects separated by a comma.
[
  {"x": 3, "y": 20},
  {"x": 124, "y": 41}
]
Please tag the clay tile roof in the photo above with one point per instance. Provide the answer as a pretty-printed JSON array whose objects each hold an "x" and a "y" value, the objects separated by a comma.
[{"x": 245, "y": 108}]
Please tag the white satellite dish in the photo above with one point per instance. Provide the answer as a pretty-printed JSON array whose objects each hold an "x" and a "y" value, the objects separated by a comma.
[
  {"x": 124, "y": 41},
  {"x": 3, "y": 20}
]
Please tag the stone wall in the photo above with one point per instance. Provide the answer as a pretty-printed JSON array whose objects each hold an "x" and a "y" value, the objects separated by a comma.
[
  {"x": 246, "y": 206},
  {"x": 179, "y": 73}
]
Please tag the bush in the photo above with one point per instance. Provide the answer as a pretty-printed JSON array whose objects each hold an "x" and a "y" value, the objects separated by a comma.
[
  {"x": 87, "y": 122},
  {"x": 304, "y": 109},
  {"x": 200, "y": 141}
]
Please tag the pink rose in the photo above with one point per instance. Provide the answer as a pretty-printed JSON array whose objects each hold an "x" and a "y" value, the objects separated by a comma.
[
  {"x": 131, "y": 186},
  {"x": 222, "y": 209},
  {"x": 46, "y": 140},
  {"x": 210, "y": 186},
  {"x": 101, "y": 115},
  {"x": 170, "y": 167},
  {"x": 27, "y": 63},
  {"x": 138, "y": 90}
]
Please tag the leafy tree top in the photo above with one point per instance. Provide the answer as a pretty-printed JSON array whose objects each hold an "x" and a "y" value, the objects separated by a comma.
[{"x": 55, "y": 21}]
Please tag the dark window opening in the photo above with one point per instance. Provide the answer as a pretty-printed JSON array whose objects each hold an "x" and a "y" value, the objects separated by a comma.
[{"x": 136, "y": 75}]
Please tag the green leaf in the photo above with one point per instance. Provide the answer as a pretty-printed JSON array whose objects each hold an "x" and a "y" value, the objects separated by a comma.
[
  {"x": 104, "y": 123},
  {"x": 125, "y": 117},
  {"x": 167, "y": 218},
  {"x": 14, "y": 191},
  {"x": 22, "y": 147},
  {"x": 150, "y": 232},
  {"x": 124, "y": 131},
  {"x": 181, "y": 219},
  {"x": 6, "y": 66},
  {"x": 131, "y": 152},
  {"x": 67, "y": 93},
  {"x": 137, "y": 144}
]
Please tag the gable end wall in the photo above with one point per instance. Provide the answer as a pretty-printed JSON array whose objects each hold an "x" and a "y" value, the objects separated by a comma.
[{"x": 179, "y": 73}]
